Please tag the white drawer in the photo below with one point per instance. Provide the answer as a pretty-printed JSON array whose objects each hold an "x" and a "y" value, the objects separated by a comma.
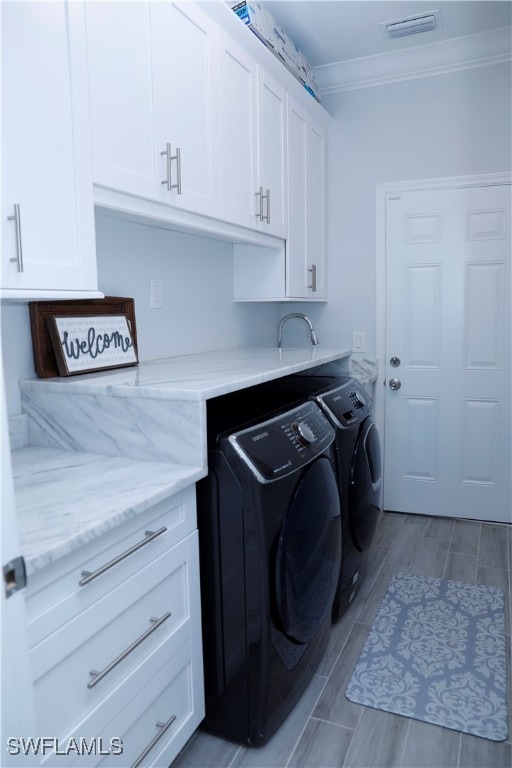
[
  {"x": 95, "y": 638},
  {"x": 167, "y": 686},
  {"x": 179, "y": 706},
  {"x": 54, "y": 597}
]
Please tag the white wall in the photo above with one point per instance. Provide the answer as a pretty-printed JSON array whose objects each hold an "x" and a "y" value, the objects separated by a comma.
[
  {"x": 449, "y": 125},
  {"x": 198, "y": 312}
]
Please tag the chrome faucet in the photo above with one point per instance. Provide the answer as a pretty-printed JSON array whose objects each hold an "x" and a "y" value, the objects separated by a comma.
[{"x": 312, "y": 334}]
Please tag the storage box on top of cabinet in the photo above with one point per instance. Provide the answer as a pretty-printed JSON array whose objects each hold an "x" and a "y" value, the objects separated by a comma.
[{"x": 105, "y": 623}]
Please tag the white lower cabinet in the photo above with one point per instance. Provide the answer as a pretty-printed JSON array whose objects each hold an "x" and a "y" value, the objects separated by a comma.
[{"x": 112, "y": 658}]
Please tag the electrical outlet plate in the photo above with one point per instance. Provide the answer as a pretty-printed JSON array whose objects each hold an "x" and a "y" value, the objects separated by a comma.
[
  {"x": 358, "y": 341},
  {"x": 155, "y": 289}
]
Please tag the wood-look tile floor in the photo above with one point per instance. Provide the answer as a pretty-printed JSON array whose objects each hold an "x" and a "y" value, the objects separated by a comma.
[{"x": 325, "y": 729}]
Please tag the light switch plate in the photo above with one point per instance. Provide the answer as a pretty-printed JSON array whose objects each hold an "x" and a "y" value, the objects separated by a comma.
[{"x": 358, "y": 341}]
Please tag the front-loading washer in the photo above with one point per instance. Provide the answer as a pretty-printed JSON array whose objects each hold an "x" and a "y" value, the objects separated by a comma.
[
  {"x": 270, "y": 554},
  {"x": 349, "y": 408}
]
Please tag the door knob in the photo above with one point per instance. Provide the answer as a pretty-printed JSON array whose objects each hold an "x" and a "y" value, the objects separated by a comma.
[{"x": 395, "y": 383}]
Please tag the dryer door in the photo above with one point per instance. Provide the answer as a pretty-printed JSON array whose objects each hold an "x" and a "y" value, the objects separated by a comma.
[
  {"x": 309, "y": 553},
  {"x": 365, "y": 486}
]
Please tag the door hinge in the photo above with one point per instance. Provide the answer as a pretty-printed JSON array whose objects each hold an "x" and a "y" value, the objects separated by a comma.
[{"x": 15, "y": 576}]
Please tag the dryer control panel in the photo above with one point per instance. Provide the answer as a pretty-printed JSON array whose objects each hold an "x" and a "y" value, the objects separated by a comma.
[
  {"x": 346, "y": 405},
  {"x": 284, "y": 443}
]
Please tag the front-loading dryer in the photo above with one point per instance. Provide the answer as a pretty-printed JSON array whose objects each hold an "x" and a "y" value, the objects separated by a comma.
[
  {"x": 349, "y": 409},
  {"x": 270, "y": 554}
]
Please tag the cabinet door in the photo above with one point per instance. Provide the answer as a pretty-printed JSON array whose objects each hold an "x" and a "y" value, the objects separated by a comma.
[
  {"x": 46, "y": 175},
  {"x": 272, "y": 160},
  {"x": 305, "y": 246},
  {"x": 185, "y": 104},
  {"x": 296, "y": 252},
  {"x": 121, "y": 96},
  {"x": 315, "y": 210},
  {"x": 237, "y": 134}
]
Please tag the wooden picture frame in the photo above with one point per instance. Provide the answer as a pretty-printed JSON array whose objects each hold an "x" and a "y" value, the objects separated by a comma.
[
  {"x": 45, "y": 362},
  {"x": 89, "y": 343}
]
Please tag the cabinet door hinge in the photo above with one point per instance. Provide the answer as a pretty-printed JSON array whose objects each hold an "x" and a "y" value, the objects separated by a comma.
[{"x": 15, "y": 576}]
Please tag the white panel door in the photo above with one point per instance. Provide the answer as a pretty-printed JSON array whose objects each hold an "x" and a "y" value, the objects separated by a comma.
[
  {"x": 237, "y": 134},
  {"x": 272, "y": 158},
  {"x": 448, "y": 334},
  {"x": 184, "y": 45}
]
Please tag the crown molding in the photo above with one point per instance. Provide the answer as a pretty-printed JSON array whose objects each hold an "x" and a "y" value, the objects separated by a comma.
[{"x": 458, "y": 53}]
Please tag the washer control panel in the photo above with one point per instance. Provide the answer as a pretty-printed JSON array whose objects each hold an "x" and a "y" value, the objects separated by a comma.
[{"x": 284, "y": 443}]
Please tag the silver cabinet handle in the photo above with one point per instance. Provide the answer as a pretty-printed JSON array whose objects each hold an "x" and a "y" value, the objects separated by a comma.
[
  {"x": 88, "y": 576},
  {"x": 97, "y": 676},
  {"x": 312, "y": 269},
  {"x": 163, "y": 727},
  {"x": 169, "y": 157},
  {"x": 262, "y": 196},
  {"x": 259, "y": 214},
  {"x": 267, "y": 198},
  {"x": 177, "y": 157},
  {"x": 19, "y": 248}
]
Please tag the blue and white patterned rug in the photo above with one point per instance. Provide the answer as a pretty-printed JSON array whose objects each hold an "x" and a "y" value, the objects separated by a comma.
[{"x": 436, "y": 652}]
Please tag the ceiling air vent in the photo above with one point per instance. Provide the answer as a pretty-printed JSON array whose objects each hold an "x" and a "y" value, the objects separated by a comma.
[{"x": 411, "y": 25}]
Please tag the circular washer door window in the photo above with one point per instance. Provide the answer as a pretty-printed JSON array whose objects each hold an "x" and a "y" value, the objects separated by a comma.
[{"x": 309, "y": 553}]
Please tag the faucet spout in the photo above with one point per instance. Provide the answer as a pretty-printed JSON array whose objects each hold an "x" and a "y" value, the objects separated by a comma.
[{"x": 305, "y": 318}]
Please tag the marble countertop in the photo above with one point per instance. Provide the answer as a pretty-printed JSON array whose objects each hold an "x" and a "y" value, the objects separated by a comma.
[
  {"x": 125, "y": 439},
  {"x": 64, "y": 499},
  {"x": 193, "y": 377}
]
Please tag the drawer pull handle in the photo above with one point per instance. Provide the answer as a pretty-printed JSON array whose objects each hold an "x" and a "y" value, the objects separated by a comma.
[
  {"x": 163, "y": 727},
  {"x": 97, "y": 676},
  {"x": 88, "y": 576}
]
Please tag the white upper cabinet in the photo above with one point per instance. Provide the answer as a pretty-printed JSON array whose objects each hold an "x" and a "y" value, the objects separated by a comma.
[
  {"x": 272, "y": 159},
  {"x": 185, "y": 104},
  {"x": 121, "y": 97},
  {"x": 238, "y": 132},
  {"x": 47, "y": 204},
  {"x": 305, "y": 246},
  {"x": 252, "y": 118},
  {"x": 153, "y": 92}
]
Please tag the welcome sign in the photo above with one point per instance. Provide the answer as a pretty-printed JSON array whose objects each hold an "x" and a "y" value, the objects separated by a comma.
[{"x": 86, "y": 344}]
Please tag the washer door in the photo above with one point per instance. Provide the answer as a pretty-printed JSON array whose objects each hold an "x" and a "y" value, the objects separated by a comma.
[
  {"x": 364, "y": 486},
  {"x": 309, "y": 553}
]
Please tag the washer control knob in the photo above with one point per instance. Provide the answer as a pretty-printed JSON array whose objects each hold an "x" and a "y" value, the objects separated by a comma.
[
  {"x": 360, "y": 400},
  {"x": 303, "y": 433}
]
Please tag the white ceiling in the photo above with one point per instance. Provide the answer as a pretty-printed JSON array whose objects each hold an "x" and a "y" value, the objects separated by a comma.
[{"x": 329, "y": 31}]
